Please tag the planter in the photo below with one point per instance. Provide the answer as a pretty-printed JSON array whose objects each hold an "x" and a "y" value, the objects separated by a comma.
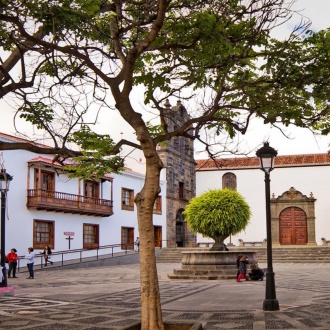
[
  {"x": 210, "y": 265},
  {"x": 170, "y": 326}
]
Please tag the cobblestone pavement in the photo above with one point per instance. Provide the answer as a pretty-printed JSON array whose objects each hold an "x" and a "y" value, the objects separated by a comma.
[{"x": 108, "y": 297}]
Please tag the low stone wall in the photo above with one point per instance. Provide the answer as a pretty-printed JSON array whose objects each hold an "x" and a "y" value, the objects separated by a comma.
[
  {"x": 259, "y": 243},
  {"x": 210, "y": 265}
]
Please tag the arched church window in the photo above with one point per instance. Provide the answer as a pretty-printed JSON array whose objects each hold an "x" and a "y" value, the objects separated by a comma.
[{"x": 229, "y": 181}]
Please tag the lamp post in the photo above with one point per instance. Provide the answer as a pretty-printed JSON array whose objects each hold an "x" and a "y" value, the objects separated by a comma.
[
  {"x": 267, "y": 156},
  {"x": 5, "y": 179}
]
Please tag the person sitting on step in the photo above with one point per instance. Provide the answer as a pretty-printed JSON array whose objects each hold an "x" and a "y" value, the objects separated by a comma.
[{"x": 256, "y": 273}]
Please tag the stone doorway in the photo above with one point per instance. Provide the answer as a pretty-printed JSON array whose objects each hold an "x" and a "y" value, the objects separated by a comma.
[
  {"x": 180, "y": 229},
  {"x": 293, "y": 218},
  {"x": 293, "y": 226}
]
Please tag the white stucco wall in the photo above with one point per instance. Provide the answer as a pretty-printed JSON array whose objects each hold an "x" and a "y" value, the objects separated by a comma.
[
  {"x": 251, "y": 185},
  {"x": 19, "y": 227}
]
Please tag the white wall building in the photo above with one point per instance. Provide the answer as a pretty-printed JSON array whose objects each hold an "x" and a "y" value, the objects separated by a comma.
[
  {"x": 44, "y": 203},
  {"x": 299, "y": 186}
]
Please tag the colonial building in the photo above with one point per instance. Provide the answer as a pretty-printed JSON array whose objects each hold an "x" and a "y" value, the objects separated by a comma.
[
  {"x": 45, "y": 206},
  {"x": 300, "y": 205},
  {"x": 178, "y": 159}
]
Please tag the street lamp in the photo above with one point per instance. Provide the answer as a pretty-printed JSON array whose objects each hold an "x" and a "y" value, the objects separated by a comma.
[
  {"x": 267, "y": 156},
  {"x": 5, "y": 179}
]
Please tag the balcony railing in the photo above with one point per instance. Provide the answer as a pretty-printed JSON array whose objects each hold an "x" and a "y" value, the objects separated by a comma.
[{"x": 68, "y": 203}]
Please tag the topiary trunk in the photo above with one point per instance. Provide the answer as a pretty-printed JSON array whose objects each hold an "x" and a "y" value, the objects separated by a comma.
[{"x": 218, "y": 243}]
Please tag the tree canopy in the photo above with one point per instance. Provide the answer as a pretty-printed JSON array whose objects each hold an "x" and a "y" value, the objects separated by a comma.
[
  {"x": 64, "y": 59},
  {"x": 218, "y": 214}
]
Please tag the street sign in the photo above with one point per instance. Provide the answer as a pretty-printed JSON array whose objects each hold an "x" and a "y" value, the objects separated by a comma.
[{"x": 69, "y": 233}]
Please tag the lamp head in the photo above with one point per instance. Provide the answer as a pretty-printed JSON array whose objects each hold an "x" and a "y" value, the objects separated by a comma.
[
  {"x": 267, "y": 156},
  {"x": 5, "y": 179}
]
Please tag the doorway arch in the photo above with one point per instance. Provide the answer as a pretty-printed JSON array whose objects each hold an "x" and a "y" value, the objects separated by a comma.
[
  {"x": 293, "y": 218},
  {"x": 180, "y": 229},
  {"x": 293, "y": 226}
]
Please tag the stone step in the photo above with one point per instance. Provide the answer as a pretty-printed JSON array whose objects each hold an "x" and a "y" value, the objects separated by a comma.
[{"x": 280, "y": 254}]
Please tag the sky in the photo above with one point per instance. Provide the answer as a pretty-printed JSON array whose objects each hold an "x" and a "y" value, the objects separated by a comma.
[{"x": 301, "y": 141}]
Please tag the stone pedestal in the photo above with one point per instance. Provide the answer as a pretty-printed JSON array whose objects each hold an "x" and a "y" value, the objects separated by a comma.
[{"x": 210, "y": 265}]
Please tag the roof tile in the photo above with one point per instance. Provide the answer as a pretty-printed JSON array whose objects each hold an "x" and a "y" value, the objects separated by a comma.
[{"x": 253, "y": 162}]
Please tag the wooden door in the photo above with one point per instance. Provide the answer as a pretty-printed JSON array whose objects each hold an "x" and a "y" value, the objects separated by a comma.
[
  {"x": 293, "y": 226},
  {"x": 127, "y": 238},
  {"x": 158, "y": 236}
]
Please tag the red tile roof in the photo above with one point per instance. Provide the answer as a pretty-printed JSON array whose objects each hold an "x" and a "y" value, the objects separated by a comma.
[
  {"x": 49, "y": 161},
  {"x": 253, "y": 162},
  {"x": 11, "y": 138},
  {"x": 45, "y": 160}
]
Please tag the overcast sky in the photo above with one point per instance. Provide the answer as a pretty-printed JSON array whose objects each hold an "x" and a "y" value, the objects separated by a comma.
[{"x": 302, "y": 141}]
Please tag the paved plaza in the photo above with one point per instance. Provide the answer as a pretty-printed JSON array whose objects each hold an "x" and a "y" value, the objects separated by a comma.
[{"x": 107, "y": 297}]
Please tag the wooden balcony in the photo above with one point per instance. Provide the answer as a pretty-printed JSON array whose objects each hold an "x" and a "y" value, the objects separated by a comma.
[{"x": 55, "y": 201}]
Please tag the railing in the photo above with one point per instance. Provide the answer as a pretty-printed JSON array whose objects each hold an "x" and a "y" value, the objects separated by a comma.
[
  {"x": 61, "y": 258},
  {"x": 64, "y": 202},
  {"x": 69, "y": 257}
]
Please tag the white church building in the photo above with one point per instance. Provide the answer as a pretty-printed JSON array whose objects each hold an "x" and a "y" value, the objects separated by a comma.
[{"x": 300, "y": 204}]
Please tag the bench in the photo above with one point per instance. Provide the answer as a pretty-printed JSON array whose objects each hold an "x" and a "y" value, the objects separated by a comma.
[{"x": 261, "y": 243}]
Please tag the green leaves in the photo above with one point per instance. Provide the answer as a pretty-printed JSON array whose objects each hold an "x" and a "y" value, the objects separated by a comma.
[
  {"x": 218, "y": 212},
  {"x": 38, "y": 114},
  {"x": 98, "y": 155}
]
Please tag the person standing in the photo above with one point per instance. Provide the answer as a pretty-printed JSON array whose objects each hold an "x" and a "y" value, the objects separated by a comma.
[
  {"x": 12, "y": 262},
  {"x": 242, "y": 268},
  {"x": 47, "y": 253},
  {"x": 30, "y": 261},
  {"x": 137, "y": 243},
  {"x": 237, "y": 264}
]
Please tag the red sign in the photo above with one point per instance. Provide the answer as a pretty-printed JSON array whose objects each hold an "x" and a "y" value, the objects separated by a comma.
[{"x": 69, "y": 233}]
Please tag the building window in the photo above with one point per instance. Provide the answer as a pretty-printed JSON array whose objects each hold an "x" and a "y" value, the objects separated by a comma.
[
  {"x": 46, "y": 180},
  {"x": 158, "y": 205},
  {"x": 127, "y": 199},
  {"x": 229, "y": 181},
  {"x": 181, "y": 190},
  {"x": 43, "y": 234},
  {"x": 91, "y": 236},
  {"x": 91, "y": 189},
  {"x": 127, "y": 238}
]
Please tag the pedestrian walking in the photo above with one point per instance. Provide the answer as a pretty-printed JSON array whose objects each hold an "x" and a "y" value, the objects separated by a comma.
[
  {"x": 47, "y": 253},
  {"x": 12, "y": 262},
  {"x": 242, "y": 268},
  {"x": 30, "y": 261},
  {"x": 237, "y": 264}
]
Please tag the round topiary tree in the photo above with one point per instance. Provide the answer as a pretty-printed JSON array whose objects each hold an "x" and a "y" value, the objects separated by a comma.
[{"x": 218, "y": 214}]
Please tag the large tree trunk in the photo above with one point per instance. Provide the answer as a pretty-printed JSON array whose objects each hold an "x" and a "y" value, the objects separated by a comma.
[{"x": 151, "y": 313}]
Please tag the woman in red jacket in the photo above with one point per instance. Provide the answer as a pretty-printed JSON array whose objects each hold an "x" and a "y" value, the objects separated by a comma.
[{"x": 12, "y": 262}]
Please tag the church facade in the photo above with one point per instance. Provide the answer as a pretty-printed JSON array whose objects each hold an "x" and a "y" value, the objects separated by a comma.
[{"x": 300, "y": 208}]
